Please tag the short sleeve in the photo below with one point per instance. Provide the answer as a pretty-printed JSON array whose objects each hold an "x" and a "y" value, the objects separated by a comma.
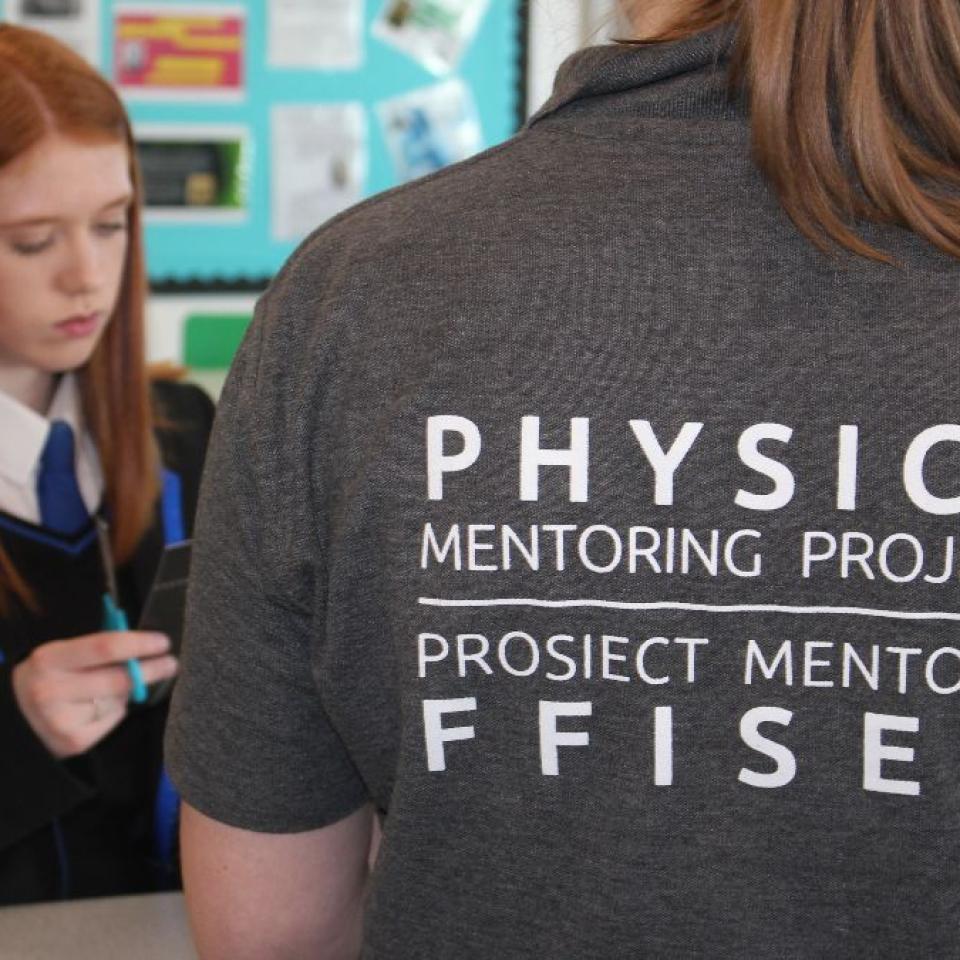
[{"x": 248, "y": 740}]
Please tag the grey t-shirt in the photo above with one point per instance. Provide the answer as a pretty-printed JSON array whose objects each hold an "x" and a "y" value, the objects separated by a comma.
[{"x": 576, "y": 511}]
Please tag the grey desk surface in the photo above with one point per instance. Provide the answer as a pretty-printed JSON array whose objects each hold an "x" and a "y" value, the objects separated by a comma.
[{"x": 151, "y": 927}]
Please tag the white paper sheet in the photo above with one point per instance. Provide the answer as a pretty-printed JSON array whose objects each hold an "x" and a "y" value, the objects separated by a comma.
[
  {"x": 429, "y": 128},
  {"x": 315, "y": 34},
  {"x": 435, "y": 33},
  {"x": 318, "y": 162}
]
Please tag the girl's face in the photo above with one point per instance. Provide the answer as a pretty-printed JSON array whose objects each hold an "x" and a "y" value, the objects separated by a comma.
[{"x": 63, "y": 244}]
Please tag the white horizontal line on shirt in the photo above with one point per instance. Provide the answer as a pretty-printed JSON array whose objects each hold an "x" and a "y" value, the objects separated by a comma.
[{"x": 698, "y": 607}]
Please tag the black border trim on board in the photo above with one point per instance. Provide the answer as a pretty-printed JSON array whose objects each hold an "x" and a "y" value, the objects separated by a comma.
[
  {"x": 523, "y": 28},
  {"x": 161, "y": 286}
]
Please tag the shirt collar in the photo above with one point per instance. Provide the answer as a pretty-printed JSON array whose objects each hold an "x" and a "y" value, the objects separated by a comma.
[
  {"x": 66, "y": 404},
  {"x": 681, "y": 79},
  {"x": 24, "y": 431}
]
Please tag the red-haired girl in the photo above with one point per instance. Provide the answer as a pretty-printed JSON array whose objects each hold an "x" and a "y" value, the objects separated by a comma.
[{"x": 86, "y": 439}]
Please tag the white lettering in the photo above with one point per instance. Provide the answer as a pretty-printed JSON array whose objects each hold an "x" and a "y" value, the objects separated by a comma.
[
  {"x": 847, "y": 468},
  {"x": 748, "y": 448},
  {"x": 552, "y": 739},
  {"x": 875, "y": 751},
  {"x": 809, "y": 557},
  {"x": 437, "y": 735},
  {"x": 932, "y": 662},
  {"x": 913, "y": 462},
  {"x": 576, "y": 457},
  {"x": 423, "y": 658},
  {"x": 479, "y": 656},
  {"x": 755, "y": 655},
  {"x": 786, "y": 762},
  {"x": 438, "y": 462},
  {"x": 641, "y": 661},
  {"x": 531, "y": 645},
  {"x": 430, "y": 545},
  {"x": 664, "y": 463},
  {"x": 663, "y": 747}
]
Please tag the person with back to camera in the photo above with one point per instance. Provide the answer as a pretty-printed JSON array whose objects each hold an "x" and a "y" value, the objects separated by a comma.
[
  {"x": 85, "y": 809},
  {"x": 587, "y": 510}
]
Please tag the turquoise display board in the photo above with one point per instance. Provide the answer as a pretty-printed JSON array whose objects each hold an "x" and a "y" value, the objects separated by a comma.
[{"x": 240, "y": 244}]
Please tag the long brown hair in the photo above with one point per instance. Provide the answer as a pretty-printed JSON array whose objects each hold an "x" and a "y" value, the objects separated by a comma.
[
  {"x": 46, "y": 88},
  {"x": 855, "y": 109}
]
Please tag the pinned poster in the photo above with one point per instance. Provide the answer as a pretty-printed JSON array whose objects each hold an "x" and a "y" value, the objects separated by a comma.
[
  {"x": 430, "y": 128},
  {"x": 194, "y": 173},
  {"x": 435, "y": 33},
  {"x": 73, "y": 22},
  {"x": 318, "y": 164},
  {"x": 307, "y": 35},
  {"x": 239, "y": 165},
  {"x": 179, "y": 51}
]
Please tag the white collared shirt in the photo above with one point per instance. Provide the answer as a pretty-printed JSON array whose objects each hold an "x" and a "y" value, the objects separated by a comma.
[{"x": 24, "y": 433}]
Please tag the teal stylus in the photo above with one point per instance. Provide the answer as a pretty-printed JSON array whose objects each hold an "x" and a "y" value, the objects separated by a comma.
[{"x": 114, "y": 618}]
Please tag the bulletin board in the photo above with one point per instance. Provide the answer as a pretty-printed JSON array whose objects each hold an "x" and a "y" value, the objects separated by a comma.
[{"x": 258, "y": 119}]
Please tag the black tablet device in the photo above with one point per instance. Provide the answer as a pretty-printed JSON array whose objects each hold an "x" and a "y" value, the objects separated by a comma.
[{"x": 166, "y": 605}]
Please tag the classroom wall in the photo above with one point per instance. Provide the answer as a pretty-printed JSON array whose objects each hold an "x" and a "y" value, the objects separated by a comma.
[
  {"x": 166, "y": 322},
  {"x": 556, "y": 29}
]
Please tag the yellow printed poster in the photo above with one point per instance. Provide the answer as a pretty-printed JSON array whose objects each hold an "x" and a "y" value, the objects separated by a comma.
[{"x": 179, "y": 51}]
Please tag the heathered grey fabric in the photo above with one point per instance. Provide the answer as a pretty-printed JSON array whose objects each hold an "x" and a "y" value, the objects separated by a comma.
[{"x": 618, "y": 269}]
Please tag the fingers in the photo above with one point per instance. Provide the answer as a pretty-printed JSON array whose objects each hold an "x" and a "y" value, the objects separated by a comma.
[
  {"x": 76, "y": 727},
  {"x": 94, "y": 732},
  {"x": 112, "y": 682},
  {"x": 56, "y": 686},
  {"x": 98, "y": 649},
  {"x": 103, "y": 707}
]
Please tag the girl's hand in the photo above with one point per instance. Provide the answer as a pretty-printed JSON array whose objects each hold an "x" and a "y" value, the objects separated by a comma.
[{"x": 74, "y": 692}]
